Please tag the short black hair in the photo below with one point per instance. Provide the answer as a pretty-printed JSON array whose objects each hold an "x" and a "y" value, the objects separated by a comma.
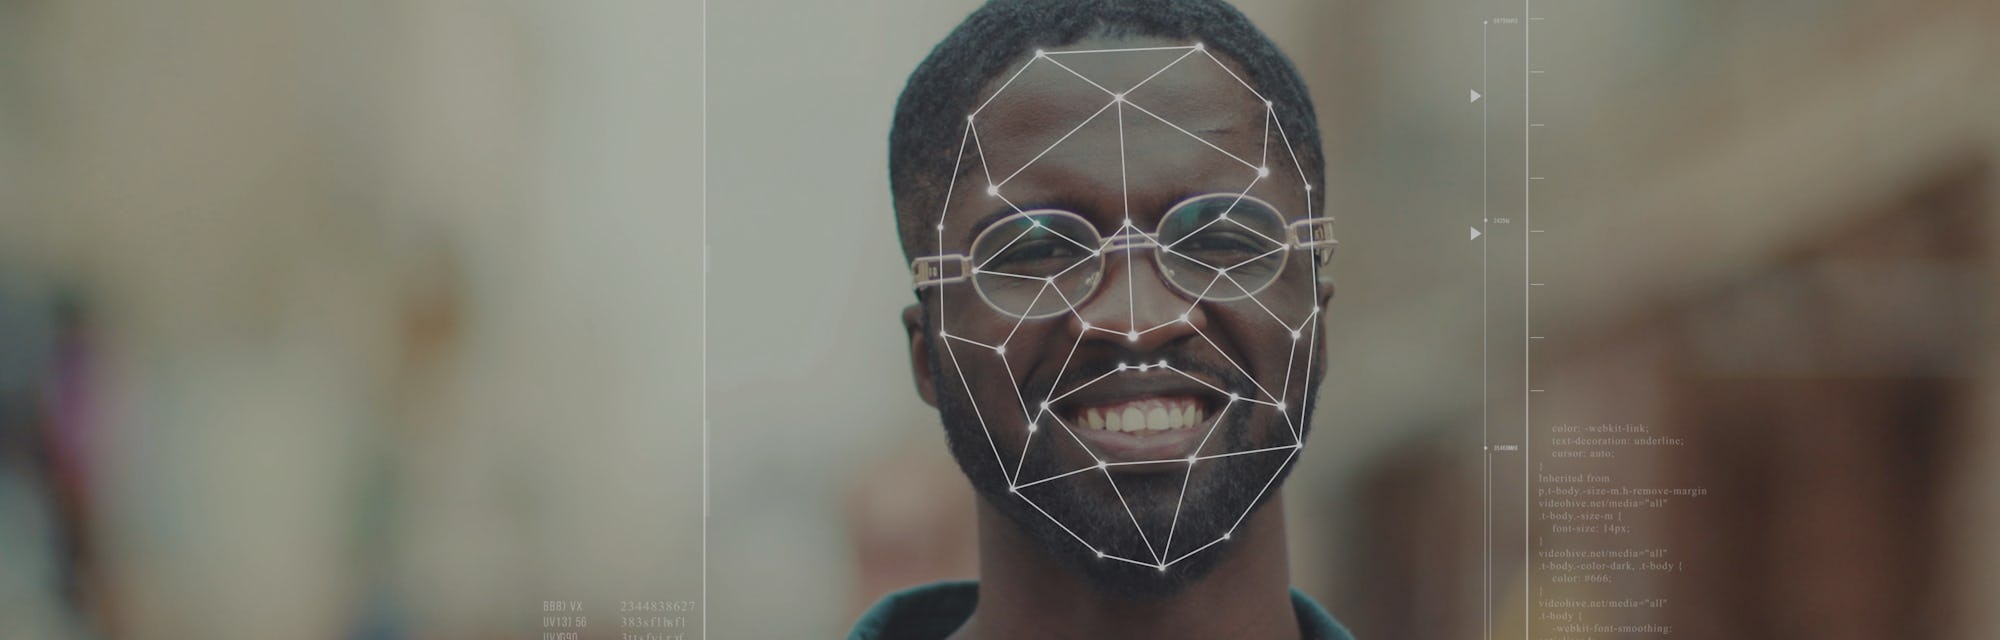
[{"x": 930, "y": 115}]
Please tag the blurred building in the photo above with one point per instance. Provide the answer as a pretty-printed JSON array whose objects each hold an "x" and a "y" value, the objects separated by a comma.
[
  {"x": 1771, "y": 230},
  {"x": 386, "y": 316}
]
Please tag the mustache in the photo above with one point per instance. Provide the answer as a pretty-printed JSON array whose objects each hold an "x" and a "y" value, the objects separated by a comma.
[{"x": 1082, "y": 370}]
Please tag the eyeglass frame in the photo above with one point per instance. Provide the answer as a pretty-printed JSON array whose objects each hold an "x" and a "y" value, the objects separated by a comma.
[{"x": 1315, "y": 234}]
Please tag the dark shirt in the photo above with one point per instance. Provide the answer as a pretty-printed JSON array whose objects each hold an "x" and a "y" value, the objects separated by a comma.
[{"x": 934, "y": 611}]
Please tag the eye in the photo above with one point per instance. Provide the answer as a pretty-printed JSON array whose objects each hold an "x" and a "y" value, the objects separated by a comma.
[
  {"x": 1035, "y": 247},
  {"x": 1222, "y": 232},
  {"x": 1224, "y": 239},
  {"x": 1038, "y": 253}
]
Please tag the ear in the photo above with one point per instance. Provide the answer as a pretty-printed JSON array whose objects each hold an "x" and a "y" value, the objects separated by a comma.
[
  {"x": 1325, "y": 275},
  {"x": 920, "y": 352}
]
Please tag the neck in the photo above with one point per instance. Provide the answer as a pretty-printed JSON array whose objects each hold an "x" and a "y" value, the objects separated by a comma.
[{"x": 1024, "y": 593}]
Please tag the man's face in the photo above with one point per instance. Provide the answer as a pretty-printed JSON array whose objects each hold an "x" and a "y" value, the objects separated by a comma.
[{"x": 1127, "y": 467}]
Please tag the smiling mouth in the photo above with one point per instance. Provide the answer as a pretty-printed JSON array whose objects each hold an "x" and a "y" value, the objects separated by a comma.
[
  {"x": 1142, "y": 415},
  {"x": 1137, "y": 417}
]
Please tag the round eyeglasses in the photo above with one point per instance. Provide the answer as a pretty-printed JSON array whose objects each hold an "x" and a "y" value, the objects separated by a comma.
[{"x": 1041, "y": 263}]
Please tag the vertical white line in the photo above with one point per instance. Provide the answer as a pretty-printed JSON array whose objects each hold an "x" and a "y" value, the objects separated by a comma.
[
  {"x": 1485, "y": 395},
  {"x": 1125, "y": 195},
  {"x": 1527, "y": 303},
  {"x": 704, "y": 319}
]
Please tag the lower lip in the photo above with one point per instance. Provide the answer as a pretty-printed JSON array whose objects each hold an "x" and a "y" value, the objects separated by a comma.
[{"x": 1129, "y": 450}]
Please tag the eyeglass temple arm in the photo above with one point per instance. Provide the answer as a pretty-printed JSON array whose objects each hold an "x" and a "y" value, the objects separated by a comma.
[
  {"x": 930, "y": 271},
  {"x": 1315, "y": 235}
]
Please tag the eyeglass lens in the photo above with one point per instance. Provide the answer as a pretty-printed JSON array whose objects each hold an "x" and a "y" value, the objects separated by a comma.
[{"x": 1219, "y": 247}]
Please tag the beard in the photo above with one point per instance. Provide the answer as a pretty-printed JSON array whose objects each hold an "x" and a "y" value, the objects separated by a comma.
[{"x": 1185, "y": 514}]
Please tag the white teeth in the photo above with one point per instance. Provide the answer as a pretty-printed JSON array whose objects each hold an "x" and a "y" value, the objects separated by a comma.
[{"x": 1142, "y": 415}]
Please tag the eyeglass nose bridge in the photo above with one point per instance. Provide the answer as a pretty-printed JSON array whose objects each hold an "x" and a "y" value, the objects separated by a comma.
[
  {"x": 1127, "y": 241},
  {"x": 1133, "y": 240}
]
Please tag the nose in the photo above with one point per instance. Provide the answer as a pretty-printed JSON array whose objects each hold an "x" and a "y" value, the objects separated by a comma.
[{"x": 1136, "y": 307}]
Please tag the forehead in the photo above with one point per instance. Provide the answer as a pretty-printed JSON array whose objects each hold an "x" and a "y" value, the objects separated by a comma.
[{"x": 1120, "y": 124}]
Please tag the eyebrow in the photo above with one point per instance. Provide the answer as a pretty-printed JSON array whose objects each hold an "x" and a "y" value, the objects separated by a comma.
[
  {"x": 1059, "y": 203},
  {"x": 1074, "y": 205}
]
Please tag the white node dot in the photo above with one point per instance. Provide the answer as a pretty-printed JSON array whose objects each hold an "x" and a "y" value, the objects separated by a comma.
[
  {"x": 1190, "y": 460},
  {"x": 1233, "y": 397},
  {"x": 1184, "y": 319},
  {"x": 1117, "y": 97},
  {"x": 1200, "y": 46},
  {"x": 1002, "y": 350},
  {"x": 942, "y": 335},
  {"x": 1086, "y": 325},
  {"x": 1163, "y": 568},
  {"x": 1162, "y": 364},
  {"x": 1100, "y": 554},
  {"x": 1267, "y": 104},
  {"x": 1309, "y": 187},
  {"x": 1122, "y": 366},
  {"x": 940, "y": 226},
  {"x": 1041, "y": 54},
  {"x": 1045, "y": 405},
  {"x": 968, "y": 118},
  {"x": 1225, "y": 536},
  {"x": 1031, "y": 427},
  {"x": 1013, "y": 489},
  {"x": 1263, "y": 172},
  {"x": 1281, "y": 409},
  {"x": 1128, "y": 222},
  {"x": 1295, "y": 334},
  {"x": 1103, "y": 465},
  {"x": 1132, "y": 336},
  {"x": 992, "y": 189}
]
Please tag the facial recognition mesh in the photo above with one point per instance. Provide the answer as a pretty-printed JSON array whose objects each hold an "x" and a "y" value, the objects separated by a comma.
[{"x": 1040, "y": 265}]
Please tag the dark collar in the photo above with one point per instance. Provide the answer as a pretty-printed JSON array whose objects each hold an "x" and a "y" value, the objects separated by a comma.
[{"x": 934, "y": 611}]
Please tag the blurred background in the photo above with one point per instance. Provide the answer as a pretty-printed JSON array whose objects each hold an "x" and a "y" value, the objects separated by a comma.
[
  {"x": 382, "y": 320},
  {"x": 347, "y": 319},
  {"x": 1767, "y": 229}
]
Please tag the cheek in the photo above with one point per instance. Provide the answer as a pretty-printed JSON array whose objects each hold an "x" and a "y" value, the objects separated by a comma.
[
  {"x": 995, "y": 375},
  {"x": 962, "y": 313},
  {"x": 1264, "y": 341}
]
